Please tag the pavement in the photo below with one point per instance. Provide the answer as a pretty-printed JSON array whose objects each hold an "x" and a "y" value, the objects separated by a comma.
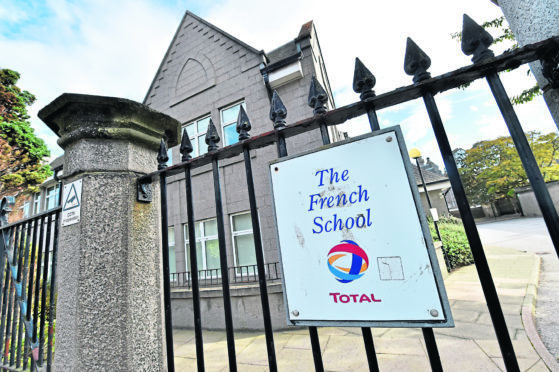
[
  {"x": 470, "y": 346},
  {"x": 530, "y": 235}
]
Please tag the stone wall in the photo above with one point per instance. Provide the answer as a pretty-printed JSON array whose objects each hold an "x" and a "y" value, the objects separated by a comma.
[
  {"x": 528, "y": 201},
  {"x": 245, "y": 303}
]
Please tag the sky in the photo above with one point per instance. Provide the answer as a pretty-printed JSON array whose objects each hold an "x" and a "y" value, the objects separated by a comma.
[{"x": 114, "y": 47}]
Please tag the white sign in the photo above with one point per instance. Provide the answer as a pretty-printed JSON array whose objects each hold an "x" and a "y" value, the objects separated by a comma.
[
  {"x": 434, "y": 214},
  {"x": 71, "y": 203},
  {"x": 353, "y": 246}
]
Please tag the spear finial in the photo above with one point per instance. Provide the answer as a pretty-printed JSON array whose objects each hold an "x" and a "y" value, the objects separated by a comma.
[
  {"x": 278, "y": 112},
  {"x": 317, "y": 97},
  {"x": 186, "y": 146},
  {"x": 212, "y": 138},
  {"x": 475, "y": 40},
  {"x": 243, "y": 125},
  {"x": 416, "y": 62},
  {"x": 162, "y": 157},
  {"x": 363, "y": 80}
]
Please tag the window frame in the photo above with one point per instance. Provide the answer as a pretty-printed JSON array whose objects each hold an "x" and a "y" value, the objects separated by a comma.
[
  {"x": 27, "y": 205},
  {"x": 171, "y": 239},
  {"x": 36, "y": 203},
  {"x": 54, "y": 196},
  {"x": 202, "y": 240},
  {"x": 240, "y": 233},
  {"x": 241, "y": 102},
  {"x": 194, "y": 137}
]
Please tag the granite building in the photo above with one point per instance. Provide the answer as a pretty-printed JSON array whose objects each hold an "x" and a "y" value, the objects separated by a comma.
[{"x": 209, "y": 74}]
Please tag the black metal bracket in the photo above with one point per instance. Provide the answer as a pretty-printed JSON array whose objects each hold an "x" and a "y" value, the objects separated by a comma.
[{"x": 144, "y": 192}]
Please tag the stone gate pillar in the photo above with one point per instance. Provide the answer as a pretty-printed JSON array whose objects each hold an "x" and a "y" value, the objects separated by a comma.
[
  {"x": 110, "y": 292},
  {"x": 533, "y": 21}
]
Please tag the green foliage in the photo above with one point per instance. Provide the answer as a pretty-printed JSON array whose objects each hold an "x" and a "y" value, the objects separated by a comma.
[
  {"x": 454, "y": 241},
  {"x": 527, "y": 95},
  {"x": 504, "y": 33},
  {"x": 492, "y": 169},
  {"x": 21, "y": 151}
]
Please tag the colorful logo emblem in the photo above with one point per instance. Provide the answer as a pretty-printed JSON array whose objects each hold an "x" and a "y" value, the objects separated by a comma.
[{"x": 347, "y": 261}]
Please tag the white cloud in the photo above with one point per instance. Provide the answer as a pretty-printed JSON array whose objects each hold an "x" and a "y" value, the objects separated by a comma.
[
  {"x": 10, "y": 13},
  {"x": 95, "y": 50},
  {"x": 114, "y": 48}
]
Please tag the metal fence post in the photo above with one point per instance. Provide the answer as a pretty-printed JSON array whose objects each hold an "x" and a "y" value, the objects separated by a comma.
[{"x": 110, "y": 302}]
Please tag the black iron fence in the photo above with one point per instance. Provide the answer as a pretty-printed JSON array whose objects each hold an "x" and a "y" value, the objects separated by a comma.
[
  {"x": 28, "y": 252},
  {"x": 475, "y": 42},
  {"x": 237, "y": 275}
]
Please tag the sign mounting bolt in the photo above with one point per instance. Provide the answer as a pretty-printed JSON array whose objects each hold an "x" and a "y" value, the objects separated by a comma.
[
  {"x": 434, "y": 312},
  {"x": 389, "y": 139},
  {"x": 295, "y": 313}
]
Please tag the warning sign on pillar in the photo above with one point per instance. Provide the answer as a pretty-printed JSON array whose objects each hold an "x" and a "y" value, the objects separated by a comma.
[
  {"x": 71, "y": 203},
  {"x": 354, "y": 242}
]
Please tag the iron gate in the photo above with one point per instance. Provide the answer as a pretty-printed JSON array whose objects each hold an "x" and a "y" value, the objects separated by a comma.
[
  {"x": 475, "y": 42},
  {"x": 28, "y": 252}
]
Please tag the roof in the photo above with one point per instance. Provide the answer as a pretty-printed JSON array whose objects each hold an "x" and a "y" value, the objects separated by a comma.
[
  {"x": 57, "y": 162},
  {"x": 284, "y": 51},
  {"x": 290, "y": 48},
  {"x": 188, "y": 13},
  {"x": 305, "y": 30},
  {"x": 430, "y": 177}
]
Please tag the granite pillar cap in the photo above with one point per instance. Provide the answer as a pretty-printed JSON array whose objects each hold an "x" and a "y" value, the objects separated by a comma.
[{"x": 81, "y": 116}]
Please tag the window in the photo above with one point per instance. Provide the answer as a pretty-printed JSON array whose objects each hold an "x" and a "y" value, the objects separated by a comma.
[
  {"x": 172, "y": 260},
  {"x": 207, "y": 246},
  {"x": 51, "y": 198},
  {"x": 196, "y": 131},
  {"x": 36, "y": 203},
  {"x": 243, "y": 239},
  {"x": 229, "y": 123},
  {"x": 26, "y": 208}
]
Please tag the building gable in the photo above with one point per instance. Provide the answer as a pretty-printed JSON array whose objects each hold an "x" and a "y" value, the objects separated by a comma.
[{"x": 196, "y": 58}]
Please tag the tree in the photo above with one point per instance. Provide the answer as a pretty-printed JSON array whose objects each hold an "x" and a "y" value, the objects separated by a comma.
[
  {"x": 21, "y": 152},
  {"x": 492, "y": 169},
  {"x": 505, "y": 34}
]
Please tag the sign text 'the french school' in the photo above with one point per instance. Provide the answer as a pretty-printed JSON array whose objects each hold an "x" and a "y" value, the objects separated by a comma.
[{"x": 329, "y": 222}]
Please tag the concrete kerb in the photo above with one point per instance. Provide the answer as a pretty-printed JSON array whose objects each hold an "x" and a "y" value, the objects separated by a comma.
[{"x": 529, "y": 321}]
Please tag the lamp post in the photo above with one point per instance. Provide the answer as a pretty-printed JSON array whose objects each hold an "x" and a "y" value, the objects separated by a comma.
[{"x": 416, "y": 154}]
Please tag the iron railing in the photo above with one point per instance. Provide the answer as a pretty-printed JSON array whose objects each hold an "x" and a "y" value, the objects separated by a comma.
[
  {"x": 237, "y": 275},
  {"x": 475, "y": 41},
  {"x": 28, "y": 253}
]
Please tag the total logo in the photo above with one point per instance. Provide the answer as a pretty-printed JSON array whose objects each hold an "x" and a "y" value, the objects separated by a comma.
[{"x": 347, "y": 261}]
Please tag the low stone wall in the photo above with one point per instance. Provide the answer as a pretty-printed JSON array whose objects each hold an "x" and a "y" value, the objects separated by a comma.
[
  {"x": 528, "y": 201},
  {"x": 245, "y": 303}
]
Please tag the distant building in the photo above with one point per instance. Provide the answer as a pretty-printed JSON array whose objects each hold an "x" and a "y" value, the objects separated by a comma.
[
  {"x": 29, "y": 204},
  {"x": 437, "y": 185}
]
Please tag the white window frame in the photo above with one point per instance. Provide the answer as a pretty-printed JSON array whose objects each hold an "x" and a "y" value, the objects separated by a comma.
[
  {"x": 54, "y": 196},
  {"x": 36, "y": 203},
  {"x": 194, "y": 136},
  {"x": 229, "y": 123},
  {"x": 202, "y": 240},
  {"x": 171, "y": 239},
  {"x": 240, "y": 233},
  {"x": 27, "y": 208}
]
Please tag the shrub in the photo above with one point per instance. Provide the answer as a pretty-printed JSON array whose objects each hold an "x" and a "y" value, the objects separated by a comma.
[{"x": 454, "y": 241}]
